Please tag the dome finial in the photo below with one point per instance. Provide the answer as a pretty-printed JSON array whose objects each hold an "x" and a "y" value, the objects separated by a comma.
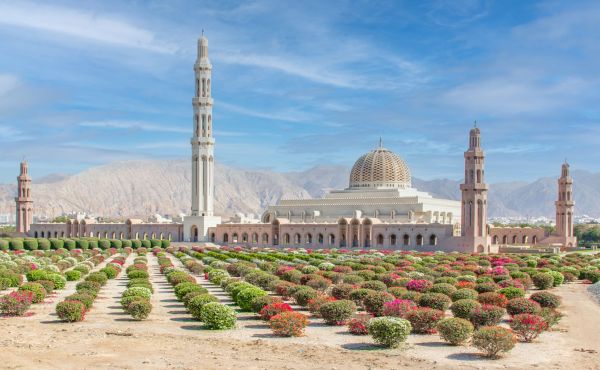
[
  {"x": 475, "y": 124},
  {"x": 380, "y": 142}
]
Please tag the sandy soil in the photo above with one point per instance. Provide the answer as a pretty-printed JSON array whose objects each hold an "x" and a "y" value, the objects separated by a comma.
[{"x": 170, "y": 338}]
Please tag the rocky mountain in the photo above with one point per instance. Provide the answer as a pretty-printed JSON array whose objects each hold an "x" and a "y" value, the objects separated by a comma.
[{"x": 142, "y": 188}]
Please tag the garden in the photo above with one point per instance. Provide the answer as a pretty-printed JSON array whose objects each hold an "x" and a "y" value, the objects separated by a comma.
[{"x": 359, "y": 304}]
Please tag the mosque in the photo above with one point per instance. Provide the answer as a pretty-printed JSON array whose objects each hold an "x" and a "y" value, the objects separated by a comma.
[{"x": 379, "y": 208}]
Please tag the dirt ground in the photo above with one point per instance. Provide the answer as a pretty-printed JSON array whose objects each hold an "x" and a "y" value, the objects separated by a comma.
[{"x": 170, "y": 338}]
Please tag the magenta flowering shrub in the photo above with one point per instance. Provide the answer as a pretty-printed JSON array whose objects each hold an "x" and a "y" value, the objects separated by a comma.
[
  {"x": 398, "y": 307},
  {"x": 16, "y": 303},
  {"x": 358, "y": 324},
  {"x": 419, "y": 285},
  {"x": 528, "y": 326}
]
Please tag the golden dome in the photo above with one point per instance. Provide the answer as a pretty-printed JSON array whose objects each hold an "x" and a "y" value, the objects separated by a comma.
[{"x": 380, "y": 168}]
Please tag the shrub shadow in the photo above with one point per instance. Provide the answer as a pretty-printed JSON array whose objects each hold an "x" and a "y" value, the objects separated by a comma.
[
  {"x": 178, "y": 312},
  {"x": 52, "y": 322},
  {"x": 125, "y": 319},
  {"x": 257, "y": 326},
  {"x": 193, "y": 327},
  {"x": 466, "y": 357},
  {"x": 433, "y": 344},
  {"x": 361, "y": 346},
  {"x": 169, "y": 300},
  {"x": 266, "y": 335},
  {"x": 183, "y": 319}
]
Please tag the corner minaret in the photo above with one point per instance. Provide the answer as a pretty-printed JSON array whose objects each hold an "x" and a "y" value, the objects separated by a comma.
[
  {"x": 564, "y": 208},
  {"x": 203, "y": 143},
  {"x": 23, "y": 201},
  {"x": 474, "y": 197}
]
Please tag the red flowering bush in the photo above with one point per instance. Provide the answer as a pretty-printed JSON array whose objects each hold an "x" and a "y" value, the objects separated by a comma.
[
  {"x": 493, "y": 298},
  {"x": 528, "y": 326},
  {"x": 419, "y": 285},
  {"x": 493, "y": 340},
  {"x": 424, "y": 319},
  {"x": 288, "y": 324},
  {"x": 16, "y": 303},
  {"x": 518, "y": 306},
  {"x": 273, "y": 309},
  {"x": 358, "y": 324},
  {"x": 398, "y": 307}
]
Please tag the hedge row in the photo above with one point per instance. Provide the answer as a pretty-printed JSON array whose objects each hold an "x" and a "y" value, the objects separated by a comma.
[{"x": 32, "y": 244}]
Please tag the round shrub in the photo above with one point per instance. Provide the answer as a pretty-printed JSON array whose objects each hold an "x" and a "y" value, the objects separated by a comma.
[
  {"x": 138, "y": 274},
  {"x": 73, "y": 275},
  {"x": 419, "y": 285},
  {"x": 486, "y": 287},
  {"x": 314, "y": 305},
  {"x": 85, "y": 298},
  {"x": 374, "y": 301},
  {"x": 126, "y": 301},
  {"x": 487, "y": 315},
  {"x": 288, "y": 324},
  {"x": 518, "y": 306},
  {"x": 528, "y": 326},
  {"x": 397, "y": 291},
  {"x": 337, "y": 312},
  {"x": 543, "y": 280},
  {"x": 437, "y": 301},
  {"x": 188, "y": 297},
  {"x": 512, "y": 292},
  {"x": 139, "y": 309},
  {"x": 35, "y": 275},
  {"x": 182, "y": 289},
  {"x": 98, "y": 277},
  {"x": 424, "y": 319},
  {"x": 88, "y": 286},
  {"x": 374, "y": 285},
  {"x": 196, "y": 303},
  {"x": 455, "y": 331},
  {"x": 110, "y": 272},
  {"x": 303, "y": 295},
  {"x": 260, "y": 302},
  {"x": 389, "y": 332},
  {"x": 59, "y": 281},
  {"x": 39, "y": 293},
  {"x": 137, "y": 292},
  {"x": 546, "y": 299},
  {"x": 398, "y": 307},
  {"x": 342, "y": 291},
  {"x": 558, "y": 278},
  {"x": 358, "y": 324},
  {"x": 270, "y": 310},
  {"x": 493, "y": 298},
  {"x": 47, "y": 284},
  {"x": 444, "y": 288},
  {"x": 463, "y": 308},
  {"x": 246, "y": 296},
  {"x": 217, "y": 316},
  {"x": 493, "y": 340},
  {"x": 551, "y": 316},
  {"x": 5, "y": 283},
  {"x": 357, "y": 295},
  {"x": 70, "y": 311}
]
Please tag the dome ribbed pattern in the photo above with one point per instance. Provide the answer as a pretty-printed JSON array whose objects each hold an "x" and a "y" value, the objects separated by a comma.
[{"x": 380, "y": 168}]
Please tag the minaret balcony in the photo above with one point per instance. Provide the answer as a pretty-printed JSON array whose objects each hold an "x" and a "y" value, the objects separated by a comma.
[
  {"x": 474, "y": 186},
  {"x": 202, "y": 100}
]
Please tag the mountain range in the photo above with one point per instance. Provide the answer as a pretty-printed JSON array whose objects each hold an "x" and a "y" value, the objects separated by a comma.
[{"x": 143, "y": 188}]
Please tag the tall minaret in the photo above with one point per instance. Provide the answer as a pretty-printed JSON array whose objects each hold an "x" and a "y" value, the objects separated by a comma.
[
  {"x": 197, "y": 224},
  {"x": 202, "y": 140},
  {"x": 565, "y": 206},
  {"x": 23, "y": 201},
  {"x": 474, "y": 196}
]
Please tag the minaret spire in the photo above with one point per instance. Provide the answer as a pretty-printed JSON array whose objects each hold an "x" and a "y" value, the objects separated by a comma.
[{"x": 23, "y": 201}]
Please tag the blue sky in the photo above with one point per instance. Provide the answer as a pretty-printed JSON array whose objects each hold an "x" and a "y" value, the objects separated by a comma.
[{"x": 299, "y": 83}]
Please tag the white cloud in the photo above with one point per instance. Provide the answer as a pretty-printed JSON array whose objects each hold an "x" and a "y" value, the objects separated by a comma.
[
  {"x": 8, "y": 83},
  {"x": 11, "y": 134},
  {"x": 134, "y": 125},
  {"x": 289, "y": 115},
  {"x": 81, "y": 24}
]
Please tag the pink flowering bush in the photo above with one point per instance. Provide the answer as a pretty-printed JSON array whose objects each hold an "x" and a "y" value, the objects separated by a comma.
[
  {"x": 528, "y": 326},
  {"x": 358, "y": 324},
  {"x": 420, "y": 285},
  {"x": 16, "y": 303},
  {"x": 398, "y": 307}
]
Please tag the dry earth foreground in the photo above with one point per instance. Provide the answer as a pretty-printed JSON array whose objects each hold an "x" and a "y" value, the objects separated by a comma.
[{"x": 165, "y": 308}]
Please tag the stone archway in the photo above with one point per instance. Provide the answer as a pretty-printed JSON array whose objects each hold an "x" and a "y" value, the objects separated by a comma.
[{"x": 194, "y": 233}]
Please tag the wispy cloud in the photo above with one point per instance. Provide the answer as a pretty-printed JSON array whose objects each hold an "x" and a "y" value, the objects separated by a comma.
[
  {"x": 78, "y": 23},
  {"x": 134, "y": 125},
  {"x": 8, "y": 83},
  {"x": 289, "y": 115}
]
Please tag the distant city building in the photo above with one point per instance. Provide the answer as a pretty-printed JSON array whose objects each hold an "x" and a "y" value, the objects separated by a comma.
[{"x": 379, "y": 209}]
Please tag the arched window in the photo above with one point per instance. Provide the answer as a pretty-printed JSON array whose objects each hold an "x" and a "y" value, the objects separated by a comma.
[
  {"x": 42, "y": 234},
  {"x": 286, "y": 238},
  {"x": 244, "y": 238},
  {"x": 234, "y": 238},
  {"x": 297, "y": 238},
  {"x": 35, "y": 234},
  {"x": 495, "y": 239},
  {"x": 432, "y": 239},
  {"x": 505, "y": 239},
  {"x": 419, "y": 240},
  {"x": 254, "y": 238},
  {"x": 308, "y": 238},
  {"x": 393, "y": 239},
  {"x": 514, "y": 239},
  {"x": 525, "y": 239},
  {"x": 534, "y": 240},
  {"x": 161, "y": 236},
  {"x": 379, "y": 239},
  {"x": 331, "y": 239},
  {"x": 171, "y": 237},
  {"x": 320, "y": 239},
  {"x": 406, "y": 239},
  {"x": 225, "y": 238},
  {"x": 265, "y": 238}
]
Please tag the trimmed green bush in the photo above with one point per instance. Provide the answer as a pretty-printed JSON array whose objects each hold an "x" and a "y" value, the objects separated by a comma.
[
  {"x": 59, "y": 281},
  {"x": 71, "y": 311},
  {"x": 337, "y": 312},
  {"x": 518, "y": 306},
  {"x": 39, "y": 292},
  {"x": 389, "y": 332},
  {"x": 138, "y": 292},
  {"x": 374, "y": 302},
  {"x": 436, "y": 301},
  {"x": 73, "y": 275},
  {"x": 85, "y": 298},
  {"x": 455, "y": 331},
  {"x": 139, "y": 309},
  {"x": 546, "y": 299},
  {"x": 196, "y": 303},
  {"x": 246, "y": 296},
  {"x": 493, "y": 340},
  {"x": 543, "y": 281},
  {"x": 463, "y": 308},
  {"x": 218, "y": 316},
  {"x": 512, "y": 292}
]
